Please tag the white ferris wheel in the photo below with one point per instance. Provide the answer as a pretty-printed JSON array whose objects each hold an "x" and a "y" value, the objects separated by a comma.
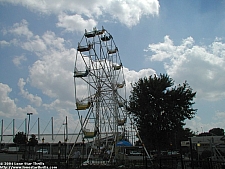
[
  {"x": 100, "y": 95},
  {"x": 100, "y": 88}
]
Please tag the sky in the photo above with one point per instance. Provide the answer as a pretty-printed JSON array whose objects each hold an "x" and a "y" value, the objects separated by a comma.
[{"x": 38, "y": 42}]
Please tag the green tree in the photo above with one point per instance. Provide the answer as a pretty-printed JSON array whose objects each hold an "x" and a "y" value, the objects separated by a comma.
[
  {"x": 159, "y": 109},
  {"x": 217, "y": 132},
  {"x": 33, "y": 141},
  {"x": 185, "y": 133},
  {"x": 20, "y": 138}
]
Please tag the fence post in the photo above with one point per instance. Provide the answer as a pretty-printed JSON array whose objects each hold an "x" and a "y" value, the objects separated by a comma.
[
  {"x": 59, "y": 154},
  {"x": 192, "y": 162}
]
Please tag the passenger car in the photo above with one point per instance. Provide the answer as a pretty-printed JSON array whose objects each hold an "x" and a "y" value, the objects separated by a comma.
[{"x": 45, "y": 151}]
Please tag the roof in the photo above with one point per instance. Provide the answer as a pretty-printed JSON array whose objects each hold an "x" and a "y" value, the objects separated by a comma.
[{"x": 123, "y": 143}]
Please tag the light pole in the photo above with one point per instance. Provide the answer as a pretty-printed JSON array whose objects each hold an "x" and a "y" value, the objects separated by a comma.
[
  {"x": 43, "y": 141},
  {"x": 28, "y": 131},
  {"x": 65, "y": 139},
  {"x": 64, "y": 133},
  {"x": 28, "y": 123}
]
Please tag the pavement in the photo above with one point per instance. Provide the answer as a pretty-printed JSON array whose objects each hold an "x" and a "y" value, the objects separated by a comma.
[{"x": 5, "y": 157}]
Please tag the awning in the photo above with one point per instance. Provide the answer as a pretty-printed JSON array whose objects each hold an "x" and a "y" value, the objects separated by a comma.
[{"x": 123, "y": 143}]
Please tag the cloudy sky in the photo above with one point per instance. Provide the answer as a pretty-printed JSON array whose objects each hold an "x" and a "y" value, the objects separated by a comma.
[{"x": 38, "y": 42}]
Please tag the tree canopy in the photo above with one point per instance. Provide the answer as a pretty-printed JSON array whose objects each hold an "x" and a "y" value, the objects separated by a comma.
[
  {"x": 20, "y": 138},
  {"x": 213, "y": 132},
  {"x": 217, "y": 132},
  {"x": 160, "y": 108},
  {"x": 33, "y": 140}
]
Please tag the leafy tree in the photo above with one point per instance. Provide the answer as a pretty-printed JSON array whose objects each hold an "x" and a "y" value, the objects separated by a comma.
[
  {"x": 159, "y": 109},
  {"x": 186, "y": 133},
  {"x": 205, "y": 134},
  {"x": 217, "y": 132},
  {"x": 20, "y": 138},
  {"x": 33, "y": 140},
  {"x": 32, "y": 143}
]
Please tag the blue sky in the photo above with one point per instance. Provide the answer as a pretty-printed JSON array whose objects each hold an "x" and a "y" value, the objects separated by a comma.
[{"x": 38, "y": 42}]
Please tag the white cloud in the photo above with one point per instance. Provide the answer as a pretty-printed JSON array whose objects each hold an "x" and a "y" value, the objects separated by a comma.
[
  {"x": 8, "y": 107},
  {"x": 220, "y": 117},
  {"x": 88, "y": 8},
  {"x": 34, "y": 44},
  {"x": 132, "y": 76},
  {"x": 197, "y": 124},
  {"x": 4, "y": 43},
  {"x": 128, "y": 12},
  {"x": 52, "y": 41},
  {"x": 201, "y": 66},
  {"x": 51, "y": 72},
  {"x": 33, "y": 99},
  {"x": 21, "y": 29},
  {"x": 75, "y": 22},
  {"x": 18, "y": 59},
  {"x": 25, "y": 38},
  {"x": 162, "y": 50}
]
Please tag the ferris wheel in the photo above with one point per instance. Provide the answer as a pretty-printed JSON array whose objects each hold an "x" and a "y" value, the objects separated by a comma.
[{"x": 100, "y": 89}]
